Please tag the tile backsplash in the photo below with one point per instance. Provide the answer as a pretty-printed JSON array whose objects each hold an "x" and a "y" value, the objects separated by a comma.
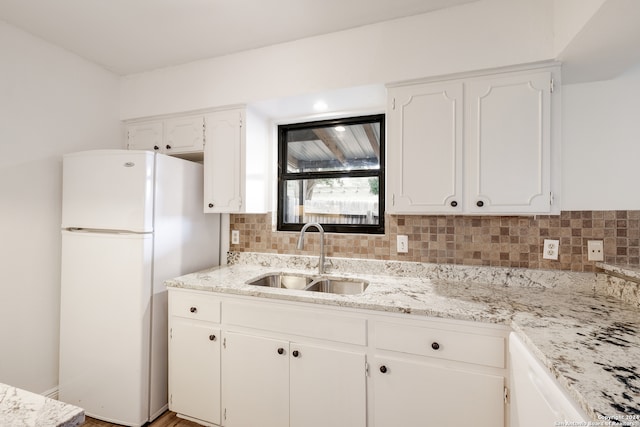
[{"x": 504, "y": 241}]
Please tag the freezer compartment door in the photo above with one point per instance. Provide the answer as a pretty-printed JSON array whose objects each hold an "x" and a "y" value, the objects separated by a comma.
[
  {"x": 105, "y": 318},
  {"x": 108, "y": 189}
]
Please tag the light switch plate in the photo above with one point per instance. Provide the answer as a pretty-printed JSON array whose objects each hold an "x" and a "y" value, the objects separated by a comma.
[
  {"x": 403, "y": 244},
  {"x": 551, "y": 248}
]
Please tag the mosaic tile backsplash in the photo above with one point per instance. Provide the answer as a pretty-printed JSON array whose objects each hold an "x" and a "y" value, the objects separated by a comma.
[{"x": 502, "y": 241}]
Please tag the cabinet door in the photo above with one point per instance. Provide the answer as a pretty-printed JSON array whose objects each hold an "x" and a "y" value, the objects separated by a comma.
[
  {"x": 145, "y": 136},
  {"x": 194, "y": 369},
  {"x": 328, "y": 387},
  {"x": 415, "y": 394},
  {"x": 255, "y": 386},
  {"x": 508, "y": 144},
  {"x": 223, "y": 161},
  {"x": 184, "y": 134},
  {"x": 424, "y": 148}
]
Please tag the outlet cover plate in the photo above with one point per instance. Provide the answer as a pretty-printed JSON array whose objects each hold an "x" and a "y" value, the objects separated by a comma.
[
  {"x": 235, "y": 237},
  {"x": 595, "y": 250},
  {"x": 550, "y": 250}
]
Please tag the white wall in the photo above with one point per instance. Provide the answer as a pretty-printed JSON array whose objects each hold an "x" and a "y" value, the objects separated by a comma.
[
  {"x": 601, "y": 145},
  {"x": 51, "y": 102},
  {"x": 483, "y": 34},
  {"x": 569, "y": 17}
]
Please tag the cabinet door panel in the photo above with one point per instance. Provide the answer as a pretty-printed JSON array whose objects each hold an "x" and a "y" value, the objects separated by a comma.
[
  {"x": 145, "y": 136},
  {"x": 184, "y": 134},
  {"x": 328, "y": 387},
  {"x": 413, "y": 394},
  {"x": 509, "y": 142},
  {"x": 223, "y": 166},
  {"x": 194, "y": 369},
  {"x": 255, "y": 384},
  {"x": 425, "y": 148}
]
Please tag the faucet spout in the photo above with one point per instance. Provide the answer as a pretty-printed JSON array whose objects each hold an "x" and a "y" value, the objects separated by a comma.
[{"x": 301, "y": 243}]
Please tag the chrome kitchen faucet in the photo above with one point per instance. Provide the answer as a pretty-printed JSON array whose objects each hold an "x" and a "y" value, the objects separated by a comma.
[{"x": 301, "y": 243}]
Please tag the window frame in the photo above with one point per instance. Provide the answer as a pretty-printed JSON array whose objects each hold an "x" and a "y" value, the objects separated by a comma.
[{"x": 284, "y": 176}]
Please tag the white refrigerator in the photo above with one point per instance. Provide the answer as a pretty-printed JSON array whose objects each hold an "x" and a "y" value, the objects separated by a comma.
[{"x": 130, "y": 220}]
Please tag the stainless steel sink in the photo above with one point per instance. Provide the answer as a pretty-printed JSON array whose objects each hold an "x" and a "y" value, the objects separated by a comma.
[
  {"x": 282, "y": 280},
  {"x": 332, "y": 285},
  {"x": 342, "y": 286}
]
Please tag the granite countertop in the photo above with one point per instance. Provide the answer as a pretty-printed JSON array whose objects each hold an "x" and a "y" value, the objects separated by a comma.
[
  {"x": 21, "y": 408},
  {"x": 589, "y": 341}
]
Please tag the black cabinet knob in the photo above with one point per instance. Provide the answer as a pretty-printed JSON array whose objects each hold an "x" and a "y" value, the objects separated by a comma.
[
  {"x": 383, "y": 369},
  {"x": 435, "y": 345},
  {"x": 454, "y": 203},
  {"x": 295, "y": 353},
  {"x": 280, "y": 350},
  {"x": 210, "y": 205},
  {"x": 168, "y": 147},
  {"x": 212, "y": 337},
  {"x": 155, "y": 147},
  {"x": 193, "y": 309},
  {"x": 479, "y": 203}
]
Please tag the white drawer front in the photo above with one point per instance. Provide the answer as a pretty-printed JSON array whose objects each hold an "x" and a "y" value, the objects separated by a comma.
[
  {"x": 194, "y": 306},
  {"x": 308, "y": 323},
  {"x": 441, "y": 343}
]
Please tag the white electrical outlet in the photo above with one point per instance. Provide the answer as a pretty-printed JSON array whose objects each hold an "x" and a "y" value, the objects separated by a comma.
[
  {"x": 403, "y": 244},
  {"x": 235, "y": 237},
  {"x": 550, "y": 250},
  {"x": 595, "y": 250}
]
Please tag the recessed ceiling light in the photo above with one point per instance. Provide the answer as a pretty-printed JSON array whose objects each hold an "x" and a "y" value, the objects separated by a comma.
[
  {"x": 320, "y": 106},
  {"x": 340, "y": 129}
]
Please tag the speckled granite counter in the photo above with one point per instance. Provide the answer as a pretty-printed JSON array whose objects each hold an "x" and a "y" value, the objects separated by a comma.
[
  {"x": 589, "y": 340},
  {"x": 20, "y": 408}
]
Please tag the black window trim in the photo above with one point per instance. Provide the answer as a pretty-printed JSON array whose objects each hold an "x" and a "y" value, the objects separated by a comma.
[{"x": 284, "y": 176}]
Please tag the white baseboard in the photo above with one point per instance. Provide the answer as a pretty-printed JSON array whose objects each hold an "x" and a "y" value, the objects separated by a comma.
[{"x": 160, "y": 412}]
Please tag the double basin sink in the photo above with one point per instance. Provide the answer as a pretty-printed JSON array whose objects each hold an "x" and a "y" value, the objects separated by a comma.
[{"x": 326, "y": 284}]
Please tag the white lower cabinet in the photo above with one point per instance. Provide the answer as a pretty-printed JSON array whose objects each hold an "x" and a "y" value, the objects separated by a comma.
[
  {"x": 195, "y": 370},
  {"x": 194, "y": 356},
  {"x": 256, "y": 381},
  {"x": 328, "y": 387},
  {"x": 289, "y": 383},
  {"x": 437, "y": 374},
  {"x": 416, "y": 393},
  {"x": 247, "y": 362}
]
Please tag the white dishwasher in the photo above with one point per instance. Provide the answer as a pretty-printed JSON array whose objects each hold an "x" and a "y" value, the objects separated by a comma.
[{"x": 537, "y": 399}]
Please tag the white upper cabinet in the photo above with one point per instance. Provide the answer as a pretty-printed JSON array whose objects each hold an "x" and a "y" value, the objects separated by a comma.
[
  {"x": 172, "y": 136},
  {"x": 236, "y": 160},
  {"x": 145, "y": 136},
  {"x": 424, "y": 154},
  {"x": 223, "y": 165},
  {"x": 478, "y": 145},
  {"x": 184, "y": 134},
  {"x": 509, "y": 143}
]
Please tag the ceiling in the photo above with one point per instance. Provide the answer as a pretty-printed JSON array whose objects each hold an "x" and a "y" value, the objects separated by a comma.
[{"x": 130, "y": 36}]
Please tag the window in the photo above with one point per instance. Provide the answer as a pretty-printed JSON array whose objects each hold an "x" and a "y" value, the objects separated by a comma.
[{"x": 332, "y": 172}]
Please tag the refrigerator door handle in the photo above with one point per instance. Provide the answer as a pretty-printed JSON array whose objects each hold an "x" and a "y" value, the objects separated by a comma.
[{"x": 103, "y": 231}]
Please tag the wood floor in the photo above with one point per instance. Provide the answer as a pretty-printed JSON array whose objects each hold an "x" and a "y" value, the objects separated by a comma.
[{"x": 168, "y": 419}]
